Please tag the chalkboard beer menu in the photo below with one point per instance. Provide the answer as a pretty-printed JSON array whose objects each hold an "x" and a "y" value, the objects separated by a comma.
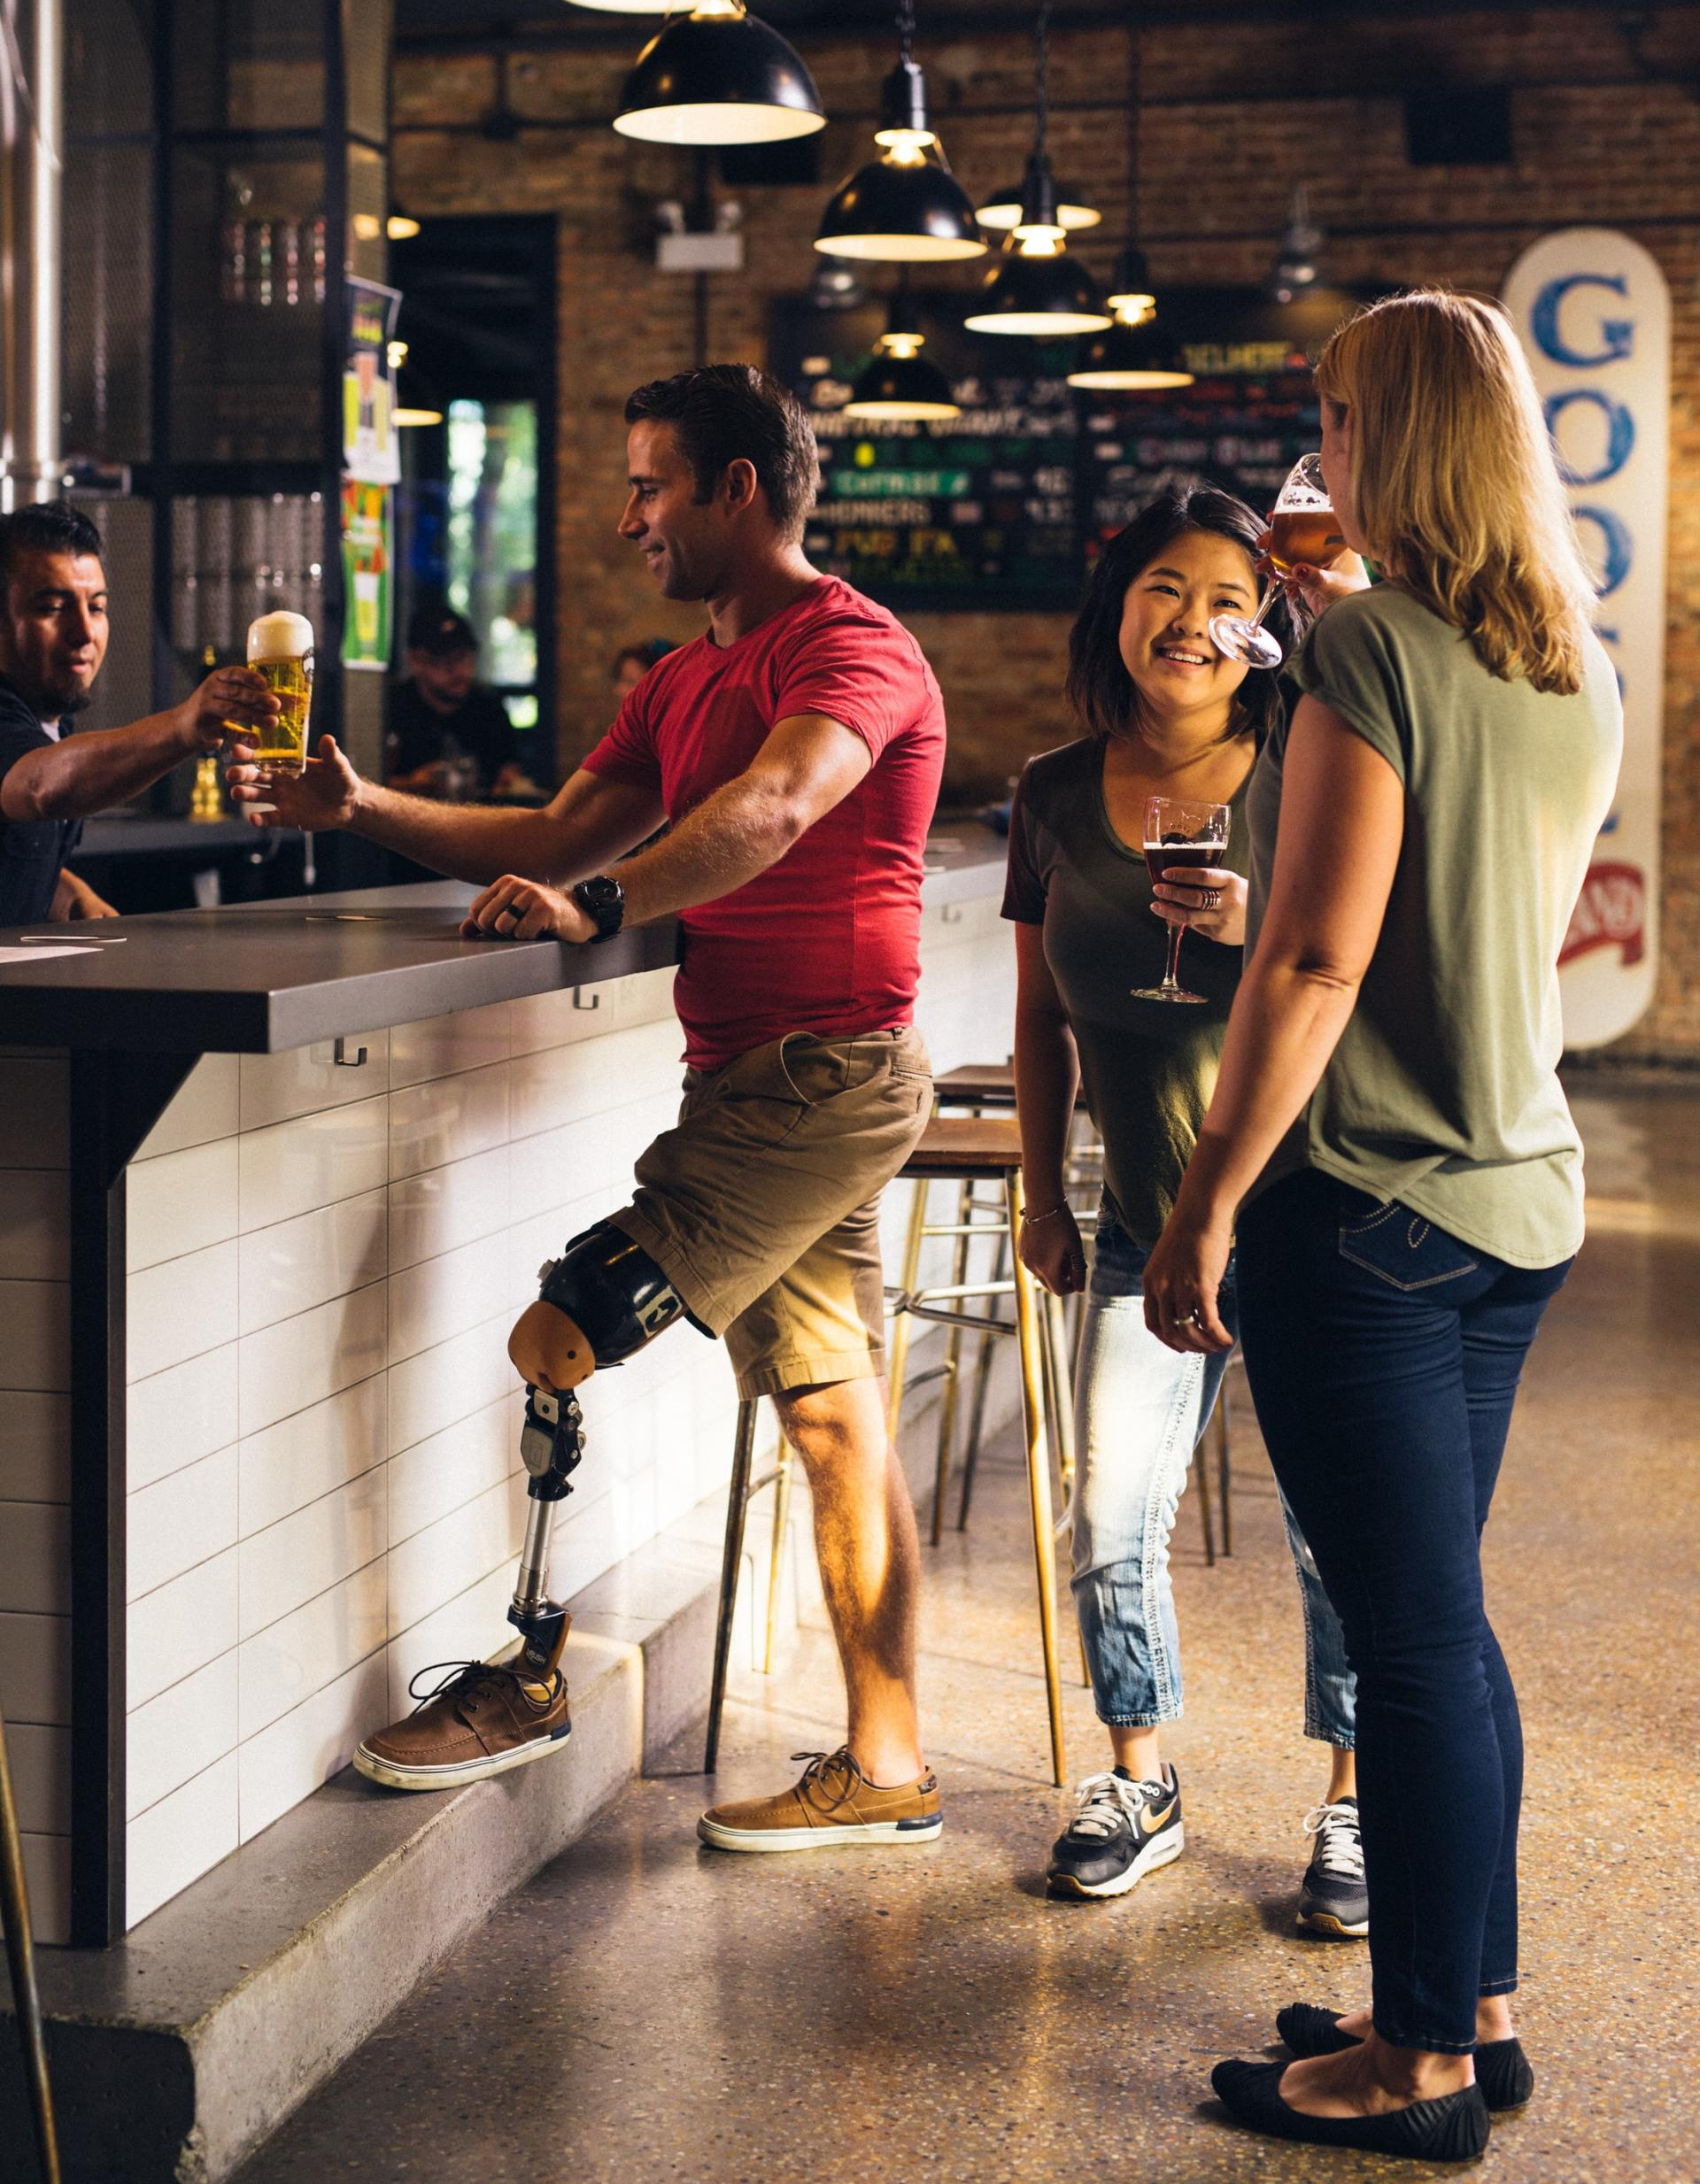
[
  {"x": 979, "y": 510},
  {"x": 1008, "y": 504}
]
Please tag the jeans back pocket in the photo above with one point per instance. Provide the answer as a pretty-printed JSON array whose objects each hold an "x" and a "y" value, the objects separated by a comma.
[{"x": 1401, "y": 1247}]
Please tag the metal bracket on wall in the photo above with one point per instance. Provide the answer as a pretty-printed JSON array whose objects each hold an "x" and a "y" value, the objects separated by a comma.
[
  {"x": 579, "y": 1002},
  {"x": 343, "y": 1060}
]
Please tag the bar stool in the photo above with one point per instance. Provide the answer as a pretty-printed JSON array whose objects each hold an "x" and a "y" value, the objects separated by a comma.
[
  {"x": 743, "y": 1489},
  {"x": 987, "y": 1149},
  {"x": 977, "y": 1087}
]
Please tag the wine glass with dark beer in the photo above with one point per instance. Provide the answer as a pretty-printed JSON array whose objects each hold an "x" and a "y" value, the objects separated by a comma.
[
  {"x": 1180, "y": 833},
  {"x": 1302, "y": 529}
]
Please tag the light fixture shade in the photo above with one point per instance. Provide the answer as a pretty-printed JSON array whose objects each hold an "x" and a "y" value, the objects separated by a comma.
[
  {"x": 719, "y": 79},
  {"x": 900, "y": 387},
  {"x": 901, "y": 211},
  {"x": 622, "y": 7},
  {"x": 1003, "y": 209},
  {"x": 1130, "y": 359},
  {"x": 1043, "y": 297}
]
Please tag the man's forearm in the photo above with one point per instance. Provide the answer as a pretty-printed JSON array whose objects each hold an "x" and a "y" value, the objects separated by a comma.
[
  {"x": 472, "y": 842},
  {"x": 90, "y": 772},
  {"x": 730, "y": 838}
]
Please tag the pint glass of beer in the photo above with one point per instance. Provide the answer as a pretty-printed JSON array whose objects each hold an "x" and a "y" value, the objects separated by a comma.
[{"x": 280, "y": 648}]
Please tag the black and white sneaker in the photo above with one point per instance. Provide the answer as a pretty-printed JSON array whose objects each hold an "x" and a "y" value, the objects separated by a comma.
[
  {"x": 1121, "y": 1830},
  {"x": 1333, "y": 1899}
]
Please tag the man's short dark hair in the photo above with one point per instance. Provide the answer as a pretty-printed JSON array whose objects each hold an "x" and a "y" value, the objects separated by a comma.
[
  {"x": 45, "y": 527},
  {"x": 727, "y": 412}
]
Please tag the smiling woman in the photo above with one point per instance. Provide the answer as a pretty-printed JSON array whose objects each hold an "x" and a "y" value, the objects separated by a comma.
[{"x": 1169, "y": 717}]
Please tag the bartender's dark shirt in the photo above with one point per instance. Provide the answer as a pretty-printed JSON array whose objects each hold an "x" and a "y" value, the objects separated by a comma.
[
  {"x": 480, "y": 728},
  {"x": 31, "y": 851}
]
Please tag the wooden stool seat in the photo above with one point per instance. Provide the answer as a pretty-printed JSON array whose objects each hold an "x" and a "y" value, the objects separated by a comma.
[
  {"x": 983, "y": 1084},
  {"x": 966, "y": 1145}
]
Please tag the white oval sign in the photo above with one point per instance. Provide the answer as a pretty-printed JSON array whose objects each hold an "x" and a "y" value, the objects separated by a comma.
[{"x": 1594, "y": 314}]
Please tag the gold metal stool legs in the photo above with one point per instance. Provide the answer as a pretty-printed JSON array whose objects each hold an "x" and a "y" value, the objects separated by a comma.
[
  {"x": 1039, "y": 1473},
  {"x": 21, "y": 1958}
]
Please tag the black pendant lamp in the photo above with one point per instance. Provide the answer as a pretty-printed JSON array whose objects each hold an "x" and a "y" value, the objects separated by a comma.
[
  {"x": 1131, "y": 355},
  {"x": 906, "y": 206},
  {"x": 718, "y": 76},
  {"x": 1036, "y": 287},
  {"x": 899, "y": 383},
  {"x": 1002, "y": 210}
]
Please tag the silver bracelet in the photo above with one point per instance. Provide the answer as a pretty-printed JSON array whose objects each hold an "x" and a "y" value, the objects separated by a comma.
[{"x": 1061, "y": 1207}]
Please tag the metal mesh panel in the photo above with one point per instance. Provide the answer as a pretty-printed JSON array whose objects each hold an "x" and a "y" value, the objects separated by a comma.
[
  {"x": 366, "y": 60},
  {"x": 123, "y": 689},
  {"x": 248, "y": 254},
  {"x": 107, "y": 304},
  {"x": 108, "y": 68},
  {"x": 251, "y": 64}
]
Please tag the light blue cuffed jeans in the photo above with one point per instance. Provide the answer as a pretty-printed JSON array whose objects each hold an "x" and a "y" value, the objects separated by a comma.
[{"x": 1140, "y": 1412}]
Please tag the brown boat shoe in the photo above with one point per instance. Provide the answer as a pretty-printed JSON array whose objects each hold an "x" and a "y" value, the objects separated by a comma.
[
  {"x": 482, "y": 1718},
  {"x": 834, "y": 1802}
]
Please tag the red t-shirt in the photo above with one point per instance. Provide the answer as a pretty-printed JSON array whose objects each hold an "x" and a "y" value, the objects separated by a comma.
[{"x": 827, "y": 940}]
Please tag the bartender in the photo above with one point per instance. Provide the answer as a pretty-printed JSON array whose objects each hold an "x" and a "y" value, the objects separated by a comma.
[
  {"x": 53, "y": 632},
  {"x": 449, "y": 734}
]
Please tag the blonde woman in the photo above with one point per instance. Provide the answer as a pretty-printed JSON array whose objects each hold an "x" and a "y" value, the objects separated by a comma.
[{"x": 1389, "y": 1140}]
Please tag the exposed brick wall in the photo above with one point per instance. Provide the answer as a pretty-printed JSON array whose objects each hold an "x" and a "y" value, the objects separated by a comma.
[{"x": 1607, "y": 125}]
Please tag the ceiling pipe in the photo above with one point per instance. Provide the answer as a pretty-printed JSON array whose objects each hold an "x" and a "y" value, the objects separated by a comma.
[{"x": 32, "y": 99}]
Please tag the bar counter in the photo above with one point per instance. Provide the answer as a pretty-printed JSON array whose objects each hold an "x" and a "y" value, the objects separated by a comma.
[{"x": 275, "y": 1181}]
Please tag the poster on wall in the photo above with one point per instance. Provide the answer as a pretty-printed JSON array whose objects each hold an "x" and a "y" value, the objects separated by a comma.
[
  {"x": 1594, "y": 314},
  {"x": 371, "y": 449},
  {"x": 368, "y": 560}
]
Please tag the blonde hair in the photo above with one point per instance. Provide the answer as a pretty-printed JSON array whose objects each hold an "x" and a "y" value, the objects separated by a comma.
[{"x": 1455, "y": 481}]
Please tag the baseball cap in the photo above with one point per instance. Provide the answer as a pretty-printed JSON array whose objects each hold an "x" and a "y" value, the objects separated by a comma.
[{"x": 441, "y": 631}]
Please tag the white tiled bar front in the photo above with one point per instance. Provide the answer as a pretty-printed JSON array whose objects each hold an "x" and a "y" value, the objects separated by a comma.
[{"x": 324, "y": 1492}]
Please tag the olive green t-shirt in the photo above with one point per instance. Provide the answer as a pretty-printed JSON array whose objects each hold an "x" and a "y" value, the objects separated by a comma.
[
  {"x": 1147, "y": 1067},
  {"x": 1443, "y": 1092}
]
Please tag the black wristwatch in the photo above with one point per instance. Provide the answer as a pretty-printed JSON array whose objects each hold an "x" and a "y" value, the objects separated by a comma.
[{"x": 603, "y": 901}]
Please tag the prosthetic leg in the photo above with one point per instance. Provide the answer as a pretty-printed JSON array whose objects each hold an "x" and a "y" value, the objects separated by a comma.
[{"x": 600, "y": 1303}]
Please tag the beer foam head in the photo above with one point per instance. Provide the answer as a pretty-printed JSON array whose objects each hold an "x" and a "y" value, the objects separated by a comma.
[{"x": 281, "y": 636}]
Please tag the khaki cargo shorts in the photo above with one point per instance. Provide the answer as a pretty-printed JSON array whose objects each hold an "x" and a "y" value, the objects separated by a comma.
[{"x": 763, "y": 1205}]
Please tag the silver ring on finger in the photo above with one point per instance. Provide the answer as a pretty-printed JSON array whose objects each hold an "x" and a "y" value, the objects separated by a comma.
[{"x": 1212, "y": 896}]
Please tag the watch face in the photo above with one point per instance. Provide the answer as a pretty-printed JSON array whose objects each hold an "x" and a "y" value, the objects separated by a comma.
[{"x": 602, "y": 893}]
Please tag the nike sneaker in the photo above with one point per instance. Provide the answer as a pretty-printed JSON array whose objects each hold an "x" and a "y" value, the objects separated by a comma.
[
  {"x": 1121, "y": 1830},
  {"x": 1333, "y": 1902}
]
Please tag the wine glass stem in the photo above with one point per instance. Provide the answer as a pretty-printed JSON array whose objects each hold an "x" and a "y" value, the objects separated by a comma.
[
  {"x": 1170, "y": 976},
  {"x": 1258, "y": 619}
]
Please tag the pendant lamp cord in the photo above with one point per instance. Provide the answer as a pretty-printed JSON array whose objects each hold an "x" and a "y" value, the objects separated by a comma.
[
  {"x": 1042, "y": 77},
  {"x": 1135, "y": 89},
  {"x": 905, "y": 28}
]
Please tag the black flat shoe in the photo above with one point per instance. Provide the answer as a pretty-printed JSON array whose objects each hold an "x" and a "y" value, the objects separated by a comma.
[
  {"x": 1502, "y": 2070},
  {"x": 1453, "y": 2128}
]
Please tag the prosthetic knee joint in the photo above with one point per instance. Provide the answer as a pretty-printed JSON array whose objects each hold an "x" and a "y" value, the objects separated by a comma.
[{"x": 617, "y": 1299}]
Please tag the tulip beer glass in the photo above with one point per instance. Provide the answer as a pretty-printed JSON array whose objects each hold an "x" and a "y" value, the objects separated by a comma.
[
  {"x": 1302, "y": 530},
  {"x": 1177, "y": 832}
]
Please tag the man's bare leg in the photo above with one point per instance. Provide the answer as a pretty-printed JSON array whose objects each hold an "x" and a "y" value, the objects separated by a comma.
[{"x": 870, "y": 1560}]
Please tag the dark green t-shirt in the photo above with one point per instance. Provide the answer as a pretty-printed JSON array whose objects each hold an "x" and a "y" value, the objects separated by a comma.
[{"x": 1148, "y": 1068}]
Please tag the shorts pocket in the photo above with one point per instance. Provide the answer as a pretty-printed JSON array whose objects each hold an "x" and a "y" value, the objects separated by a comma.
[{"x": 1403, "y": 1249}]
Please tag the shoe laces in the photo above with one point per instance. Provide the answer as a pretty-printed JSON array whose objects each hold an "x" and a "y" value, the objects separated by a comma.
[
  {"x": 1103, "y": 1802},
  {"x": 821, "y": 1764},
  {"x": 1339, "y": 1841},
  {"x": 466, "y": 1682}
]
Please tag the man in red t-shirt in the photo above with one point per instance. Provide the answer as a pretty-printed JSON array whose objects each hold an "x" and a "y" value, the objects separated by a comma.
[{"x": 796, "y": 748}]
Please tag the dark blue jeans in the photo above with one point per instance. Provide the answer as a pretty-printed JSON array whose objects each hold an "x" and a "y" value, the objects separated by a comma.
[{"x": 1384, "y": 1357}]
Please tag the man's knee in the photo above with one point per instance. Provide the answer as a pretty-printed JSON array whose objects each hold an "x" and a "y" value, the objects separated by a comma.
[{"x": 601, "y": 1302}]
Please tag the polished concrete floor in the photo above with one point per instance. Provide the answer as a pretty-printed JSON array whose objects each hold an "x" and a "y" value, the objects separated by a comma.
[{"x": 646, "y": 2010}]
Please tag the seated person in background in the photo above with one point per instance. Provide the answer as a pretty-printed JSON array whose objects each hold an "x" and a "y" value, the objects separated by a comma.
[
  {"x": 53, "y": 632},
  {"x": 448, "y": 735},
  {"x": 633, "y": 662}
]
